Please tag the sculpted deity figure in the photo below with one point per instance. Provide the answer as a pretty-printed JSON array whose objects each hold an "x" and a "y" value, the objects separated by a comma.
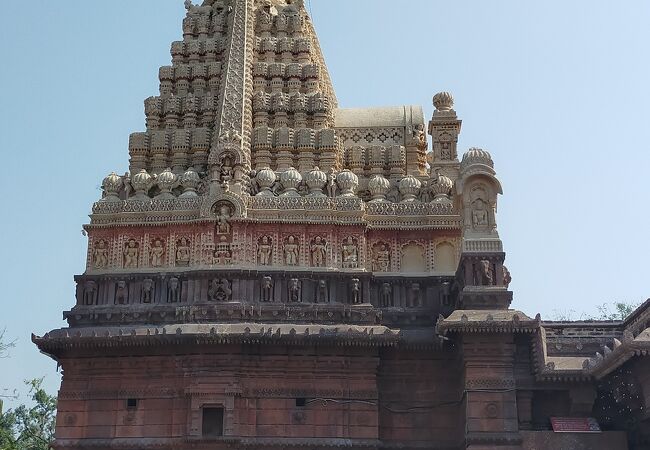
[
  {"x": 147, "y": 290},
  {"x": 415, "y": 295},
  {"x": 350, "y": 253},
  {"x": 321, "y": 292},
  {"x": 294, "y": 290},
  {"x": 223, "y": 220},
  {"x": 507, "y": 278},
  {"x": 183, "y": 252},
  {"x": 479, "y": 214},
  {"x": 291, "y": 252},
  {"x": 173, "y": 290},
  {"x": 484, "y": 273},
  {"x": 355, "y": 291},
  {"x": 381, "y": 260},
  {"x": 332, "y": 187},
  {"x": 267, "y": 289},
  {"x": 264, "y": 249},
  {"x": 121, "y": 293},
  {"x": 100, "y": 254},
  {"x": 318, "y": 252},
  {"x": 156, "y": 253},
  {"x": 131, "y": 252},
  {"x": 219, "y": 290},
  {"x": 90, "y": 291},
  {"x": 225, "y": 174},
  {"x": 386, "y": 295}
]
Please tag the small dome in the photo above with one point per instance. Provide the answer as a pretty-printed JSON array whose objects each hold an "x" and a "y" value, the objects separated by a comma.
[
  {"x": 378, "y": 187},
  {"x": 111, "y": 186},
  {"x": 265, "y": 178},
  {"x": 476, "y": 156},
  {"x": 190, "y": 181},
  {"x": 290, "y": 180},
  {"x": 166, "y": 181},
  {"x": 141, "y": 182},
  {"x": 348, "y": 182},
  {"x": 440, "y": 186},
  {"x": 316, "y": 179},
  {"x": 443, "y": 101},
  {"x": 409, "y": 187}
]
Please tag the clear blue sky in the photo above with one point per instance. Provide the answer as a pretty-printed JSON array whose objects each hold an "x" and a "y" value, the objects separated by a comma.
[{"x": 557, "y": 91}]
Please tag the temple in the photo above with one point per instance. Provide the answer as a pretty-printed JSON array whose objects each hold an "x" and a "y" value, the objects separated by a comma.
[{"x": 277, "y": 272}]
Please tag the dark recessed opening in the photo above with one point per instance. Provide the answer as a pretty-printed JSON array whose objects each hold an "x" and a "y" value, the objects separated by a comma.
[
  {"x": 301, "y": 401},
  {"x": 131, "y": 403},
  {"x": 212, "y": 422}
]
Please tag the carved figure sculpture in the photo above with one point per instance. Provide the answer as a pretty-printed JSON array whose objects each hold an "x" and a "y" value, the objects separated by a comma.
[
  {"x": 147, "y": 291},
  {"x": 321, "y": 292},
  {"x": 267, "y": 289},
  {"x": 484, "y": 273},
  {"x": 90, "y": 293},
  {"x": 183, "y": 252},
  {"x": 173, "y": 290},
  {"x": 507, "y": 278},
  {"x": 131, "y": 252},
  {"x": 480, "y": 221},
  {"x": 445, "y": 293},
  {"x": 223, "y": 220},
  {"x": 156, "y": 253},
  {"x": 350, "y": 254},
  {"x": 318, "y": 252},
  {"x": 355, "y": 291},
  {"x": 386, "y": 295},
  {"x": 415, "y": 300},
  {"x": 264, "y": 249},
  {"x": 291, "y": 252},
  {"x": 294, "y": 291},
  {"x": 219, "y": 290},
  {"x": 100, "y": 254},
  {"x": 225, "y": 174},
  {"x": 332, "y": 187},
  {"x": 381, "y": 258},
  {"x": 121, "y": 293}
]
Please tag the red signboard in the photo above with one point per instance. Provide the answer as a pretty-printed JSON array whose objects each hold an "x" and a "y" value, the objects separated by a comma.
[{"x": 575, "y": 425}]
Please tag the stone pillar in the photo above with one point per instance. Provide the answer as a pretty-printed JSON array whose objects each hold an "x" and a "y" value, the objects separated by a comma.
[{"x": 491, "y": 420}]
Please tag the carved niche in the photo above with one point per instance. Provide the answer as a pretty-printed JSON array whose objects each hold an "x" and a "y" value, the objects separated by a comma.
[
  {"x": 90, "y": 293},
  {"x": 121, "y": 293},
  {"x": 413, "y": 259},
  {"x": 220, "y": 290},
  {"x": 173, "y": 290},
  {"x": 318, "y": 251},
  {"x": 350, "y": 253},
  {"x": 157, "y": 253},
  {"x": 386, "y": 295},
  {"x": 264, "y": 250},
  {"x": 295, "y": 290},
  {"x": 381, "y": 257},
  {"x": 355, "y": 291},
  {"x": 223, "y": 211},
  {"x": 291, "y": 251},
  {"x": 183, "y": 252},
  {"x": 266, "y": 289},
  {"x": 131, "y": 254},
  {"x": 100, "y": 254},
  {"x": 147, "y": 295},
  {"x": 480, "y": 208},
  {"x": 322, "y": 292}
]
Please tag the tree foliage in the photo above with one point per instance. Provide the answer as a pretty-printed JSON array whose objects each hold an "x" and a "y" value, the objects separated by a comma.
[
  {"x": 29, "y": 427},
  {"x": 606, "y": 311}
]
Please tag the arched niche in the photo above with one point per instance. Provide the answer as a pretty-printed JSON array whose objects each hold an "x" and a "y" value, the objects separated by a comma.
[
  {"x": 413, "y": 258},
  {"x": 445, "y": 257}
]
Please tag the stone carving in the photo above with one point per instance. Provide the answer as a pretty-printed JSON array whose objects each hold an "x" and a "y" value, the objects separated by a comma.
[
  {"x": 90, "y": 293},
  {"x": 381, "y": 258},
  {"x": 484, "y": 273},
  {"x": 183, "y": 252},
  {"x": 332, "y": 187},
  {"x": 386, "y": 295},
  {"x": 173, "y": 290},
  {"x": 291, "y": 248},
  {"x": 267, "y": 289},
  {"x": 318, "y": 252},
  {"x": 321, "y": 292},
  {"x": 445, "y": 293},
  {"x": 415, "y": 299},
  {"x": 121, "y": 293},
  {"x": 222, "y": 254},
  {"x": 355, "y": 291},
  {"x": 224, "y": 212},
  {"x": 264, "y": 251},
  {"x": 219, "y": 291},
  {"x": 350, "y": 253},
  {"x": 100, "y": 254},
  {"x": 131, "y": 253},
  {"x": 479, "y": 215},
  {"x": 156, "y": 253},
  {"x": 507, "y": 278},
  {"x": 295, "y": 291},
  {"x": 147, "y": 290}
]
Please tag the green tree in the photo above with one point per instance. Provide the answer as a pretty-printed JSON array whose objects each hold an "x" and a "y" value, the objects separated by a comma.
[
  {"x": 29, "y": 427},
  {"x": 620, "y": 311}
]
